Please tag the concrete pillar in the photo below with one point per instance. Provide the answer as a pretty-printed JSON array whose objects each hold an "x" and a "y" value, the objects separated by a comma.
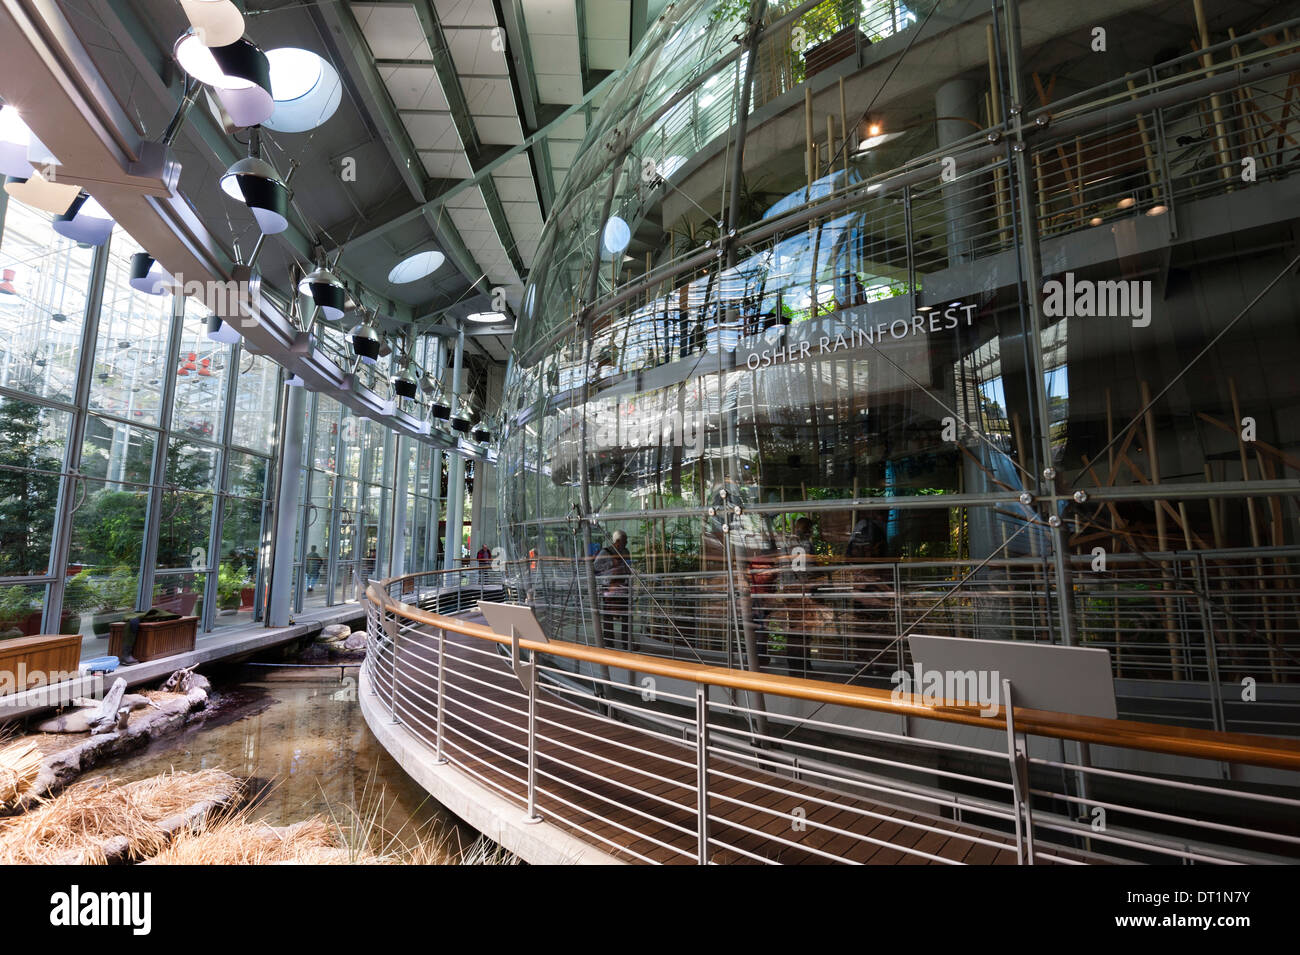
[
  {"x": 456, "y": 468},
  {"x": 286, "y": 512},
  {"x": 957, "y": 103}
]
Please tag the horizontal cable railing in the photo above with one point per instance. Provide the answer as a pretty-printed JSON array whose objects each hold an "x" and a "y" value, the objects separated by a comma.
[{"x": 669, "y": 760}]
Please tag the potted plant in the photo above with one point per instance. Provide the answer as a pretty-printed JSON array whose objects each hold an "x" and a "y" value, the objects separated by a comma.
[
  {"x": 117, "y": 594},
  {"x": 79, "y": 596},
  {"x": 230, "y": 584},
  {"x": 16, "y": 611},
  {"x": 843, "y": 42}
]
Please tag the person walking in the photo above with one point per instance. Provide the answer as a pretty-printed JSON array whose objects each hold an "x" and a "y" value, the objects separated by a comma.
[{"x": 313, "y": 564}]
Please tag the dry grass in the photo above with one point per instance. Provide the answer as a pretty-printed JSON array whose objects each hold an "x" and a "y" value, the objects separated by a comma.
[
  {"x": 356, "y": 834},
  {"x": 20, "y": 762},
  {"x": 75, "y": 826},
  {"x": 239, "y": 840}
]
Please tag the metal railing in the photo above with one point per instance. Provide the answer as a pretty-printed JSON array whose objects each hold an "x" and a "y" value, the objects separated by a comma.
[{"x": 658, "y": 760}]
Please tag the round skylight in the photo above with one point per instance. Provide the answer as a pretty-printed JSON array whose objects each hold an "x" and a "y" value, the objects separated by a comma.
[
  {"x": 416, "y": 267},
  {"x": 306, "y": 89}
]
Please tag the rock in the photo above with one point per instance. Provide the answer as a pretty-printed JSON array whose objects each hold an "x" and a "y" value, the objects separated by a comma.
[
  {"x": 334, "y": 633},
  {"x": 186, "y": 680},
  {"x": 102, "y": 717},
  {"x": 355, "y": 641}
]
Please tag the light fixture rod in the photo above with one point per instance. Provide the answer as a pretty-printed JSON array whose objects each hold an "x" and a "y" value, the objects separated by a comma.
[{"x": 192, "y": 87}]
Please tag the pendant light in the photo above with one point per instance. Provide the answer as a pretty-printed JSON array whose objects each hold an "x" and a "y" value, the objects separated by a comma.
[
  {"x": 85, "y": 222},
  {"x": 41, "y": 193},
  {"x": 366, "y": 342},
  {"x": 254, "y": 182},
  {"x": 405, "y": 384},
  {"x": 216, "y": 22},
  {"x": 14, "y": 139},
  {"x": 239, "y": 72},
  {"x": 325, "y": 288},
  {"x": 223, "y": 332},
  {"x": 148, "y": 276}
]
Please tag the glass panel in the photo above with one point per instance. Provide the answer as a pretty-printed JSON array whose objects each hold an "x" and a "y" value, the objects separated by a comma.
[
  {"x": 41, "y": 318},
  {"x": 117, "y": 452},
  {"x": 32, "y": 440},
  {"x": 200, "y": 378},
  {"x": 20, "y": 611},
  {"x": 180, "y": 593},
  {"x": 131, "y": 348},
  {"x": 107, "y": 536},
  {"x": 257, "y": 392},
  {"x": 184, "y": 529}
]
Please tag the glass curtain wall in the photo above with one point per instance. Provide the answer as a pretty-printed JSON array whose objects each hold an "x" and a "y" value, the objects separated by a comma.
[
  {"x": 135, "y": 465},
  {"x": 851, "y": 349},
  {"x": 126, "y": 486}
]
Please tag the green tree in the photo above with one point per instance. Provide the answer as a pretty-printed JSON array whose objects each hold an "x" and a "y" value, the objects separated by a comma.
[{"x": 27, "y": 498}]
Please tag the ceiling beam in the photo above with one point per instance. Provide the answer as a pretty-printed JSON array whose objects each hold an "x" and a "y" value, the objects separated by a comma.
[
  {"x": 464, "y": 120},
  {"x": 337, "y": 21},
  {"x": 485, "y": 171}
]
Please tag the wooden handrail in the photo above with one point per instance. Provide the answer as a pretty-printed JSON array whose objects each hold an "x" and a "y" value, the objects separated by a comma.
[{"x": 1251, "y": 749}]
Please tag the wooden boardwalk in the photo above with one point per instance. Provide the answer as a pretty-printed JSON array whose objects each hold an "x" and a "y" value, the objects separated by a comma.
[{"x": 645, "y": 811}]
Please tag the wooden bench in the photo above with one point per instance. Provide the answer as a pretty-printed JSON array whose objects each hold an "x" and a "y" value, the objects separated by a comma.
[
  {"x": 158, "y": 638},
  {"x": 38, "y": 660}
]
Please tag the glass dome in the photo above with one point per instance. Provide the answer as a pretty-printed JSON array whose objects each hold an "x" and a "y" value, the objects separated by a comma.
[{"x": 778, "y": 333}]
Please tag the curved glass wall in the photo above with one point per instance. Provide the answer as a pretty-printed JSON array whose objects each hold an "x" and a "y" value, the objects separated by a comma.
[{"x": 879, "y": 320}]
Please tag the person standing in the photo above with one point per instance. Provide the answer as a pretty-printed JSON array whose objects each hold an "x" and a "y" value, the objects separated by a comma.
[{"x": 613, "y": 570}]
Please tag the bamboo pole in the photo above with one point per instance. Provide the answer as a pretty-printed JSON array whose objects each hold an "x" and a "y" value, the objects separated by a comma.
[
  {"x": 1253, "y": 520},
  {"x": 994, "y": 110},
  {"x": 1216, "y": 102},
  {"x": 1152, "y": 172},
  {"x": 844, "y": 127},
  {"x": 1162, "y": 535}
]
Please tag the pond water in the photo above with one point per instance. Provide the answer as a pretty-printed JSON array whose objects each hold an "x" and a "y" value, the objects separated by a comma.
[{"x": 299, "y": 735}]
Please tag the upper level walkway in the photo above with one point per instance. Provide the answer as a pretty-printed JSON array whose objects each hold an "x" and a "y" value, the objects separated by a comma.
[{"x": 641, "y": 759}]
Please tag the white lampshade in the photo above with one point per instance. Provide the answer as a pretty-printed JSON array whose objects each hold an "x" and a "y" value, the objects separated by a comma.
[
  {"x": 215, "y": 22},
  {"x": 39, "y": 193},
  {"x": 14, "y": 138}
]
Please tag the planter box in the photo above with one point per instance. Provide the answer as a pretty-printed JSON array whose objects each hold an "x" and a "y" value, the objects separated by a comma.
[
  {"x": 162, "y": 638},
  {"x": 38, "y": 660},
  {"x": 841, "y": 45}
]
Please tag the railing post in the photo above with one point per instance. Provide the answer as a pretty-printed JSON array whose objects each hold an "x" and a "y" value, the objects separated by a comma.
[
  {"x": 372, "y": 640},
  {"x": 438, "y": 758},
  {"x": 702, "y": 771},
  {"x": 393, "y": 629},
  {"x": 532, "y": 743},
  {"x": 1018, "y": 757}
]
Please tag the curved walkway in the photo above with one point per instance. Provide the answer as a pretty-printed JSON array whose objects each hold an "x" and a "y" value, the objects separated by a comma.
[{"x": 611, "y": 791}]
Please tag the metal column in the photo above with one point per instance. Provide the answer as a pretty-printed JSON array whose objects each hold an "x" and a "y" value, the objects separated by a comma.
[
  {"x": 456, "y": 468},
  {"x": 286, "y": 509}
]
